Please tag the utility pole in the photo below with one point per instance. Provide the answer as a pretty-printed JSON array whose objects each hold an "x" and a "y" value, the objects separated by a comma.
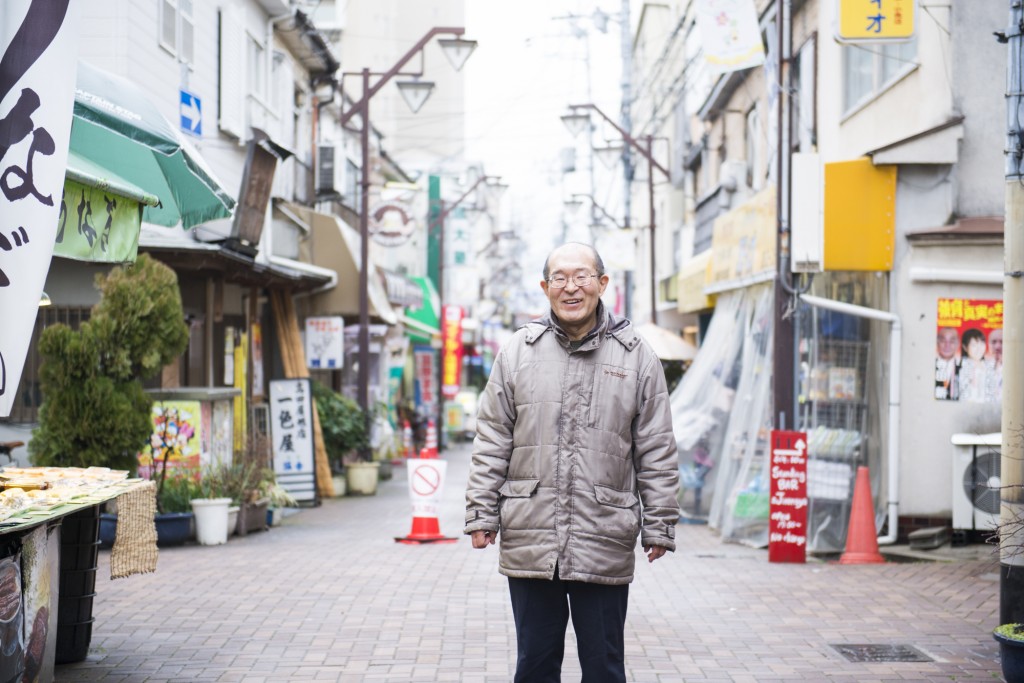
[
  {"x": 784, "y": 402},
  {"x": 1011, "y": 536},
  {"x": 625, "y": 117}
]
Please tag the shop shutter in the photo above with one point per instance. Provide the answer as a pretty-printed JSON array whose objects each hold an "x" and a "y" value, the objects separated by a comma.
[{"x": 231, "y": 94}]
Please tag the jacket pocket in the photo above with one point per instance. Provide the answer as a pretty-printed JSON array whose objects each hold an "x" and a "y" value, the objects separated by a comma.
[
  {"x": 515, "y": 504},
  {"x": 613, "y": 400},
  {"x": 606, "y": 495},
  {"x": 519, "y": 488},
  {"x": 618, "y": 513}
]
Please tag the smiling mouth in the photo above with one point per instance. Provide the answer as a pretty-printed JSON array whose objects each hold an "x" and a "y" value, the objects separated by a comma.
[{"x": 572, "y": 302}]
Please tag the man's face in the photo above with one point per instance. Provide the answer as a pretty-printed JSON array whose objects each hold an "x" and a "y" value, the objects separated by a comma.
[
  {"x": 995, "y": 344},
  {"x": 575, "y": 306},
  {"x": 946, "y": 343}
]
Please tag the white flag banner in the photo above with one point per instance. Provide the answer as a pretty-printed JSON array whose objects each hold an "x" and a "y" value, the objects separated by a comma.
[
  {"x": 730, "y": 34},
  {"x": 38, "y": 66}
]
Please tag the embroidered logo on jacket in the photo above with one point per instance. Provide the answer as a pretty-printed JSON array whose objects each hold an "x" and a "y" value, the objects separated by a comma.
[{"x": 620, "y": 375}]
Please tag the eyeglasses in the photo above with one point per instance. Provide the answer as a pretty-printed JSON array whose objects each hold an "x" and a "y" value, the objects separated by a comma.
[{"x": 581, "y": 280}]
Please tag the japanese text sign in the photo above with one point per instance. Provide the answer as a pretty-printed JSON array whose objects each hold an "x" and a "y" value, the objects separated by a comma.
[
  {"x": 426, "y": 386},
  {"x": 291, "y": 431},
  {"x": 451, "y": 333},
  {"x": 875, "y": 20},
  {"x": 325, "y": 342},
  {"x": 38, "y": 58},
  {"x": 787, "y": 507}
]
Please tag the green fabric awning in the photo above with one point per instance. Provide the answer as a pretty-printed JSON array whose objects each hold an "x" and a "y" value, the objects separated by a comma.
[
  {"x": 117, "y": 128},
  {"x": 425, "y": 322}
]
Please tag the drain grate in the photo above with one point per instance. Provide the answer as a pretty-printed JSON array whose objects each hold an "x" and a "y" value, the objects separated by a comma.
[{"x": 881, "y": 653}]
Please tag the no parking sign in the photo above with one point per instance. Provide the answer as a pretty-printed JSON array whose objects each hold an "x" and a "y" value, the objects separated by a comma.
[{"x": 426, "y": 481}]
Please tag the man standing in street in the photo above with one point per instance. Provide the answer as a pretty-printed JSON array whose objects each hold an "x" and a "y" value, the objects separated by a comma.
[{"x": 574, "y": 458}]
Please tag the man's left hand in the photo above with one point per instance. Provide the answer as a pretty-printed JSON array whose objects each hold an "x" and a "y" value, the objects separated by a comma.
[{"x": 654, "y": 552}]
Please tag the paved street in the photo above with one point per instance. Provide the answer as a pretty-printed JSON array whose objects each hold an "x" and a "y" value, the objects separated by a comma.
[{"x": 329, "y": 595}]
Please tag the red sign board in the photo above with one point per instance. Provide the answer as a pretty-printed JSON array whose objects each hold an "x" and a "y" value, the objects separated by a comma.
[
  {"x": 787, "y": 510},
  {"x": 451, "y": 367}
]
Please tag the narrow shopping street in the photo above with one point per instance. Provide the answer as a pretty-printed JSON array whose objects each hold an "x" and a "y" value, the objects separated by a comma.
[{"x": 329, "y": 595}]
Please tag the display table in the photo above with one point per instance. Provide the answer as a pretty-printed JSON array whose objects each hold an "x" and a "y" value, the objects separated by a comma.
[{"x": 48, "y": 560}]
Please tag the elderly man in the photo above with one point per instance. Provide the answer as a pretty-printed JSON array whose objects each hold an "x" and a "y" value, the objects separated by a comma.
[{"x": 574, "y": 458}]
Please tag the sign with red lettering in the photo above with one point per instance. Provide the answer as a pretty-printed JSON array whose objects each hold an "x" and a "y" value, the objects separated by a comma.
[
  {"x": 451, "y": 333},
  {"x": 787, "y": 511}
]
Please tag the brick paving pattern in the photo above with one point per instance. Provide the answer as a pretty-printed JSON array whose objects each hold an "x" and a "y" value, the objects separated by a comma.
[{"x": 329, "y": 596}]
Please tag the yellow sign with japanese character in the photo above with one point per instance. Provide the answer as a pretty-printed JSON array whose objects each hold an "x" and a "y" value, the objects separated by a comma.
[{"x": 875, "y": 20}]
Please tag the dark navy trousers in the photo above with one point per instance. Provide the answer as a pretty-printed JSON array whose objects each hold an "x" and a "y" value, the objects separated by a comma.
[{"x": 541, "y": 610}]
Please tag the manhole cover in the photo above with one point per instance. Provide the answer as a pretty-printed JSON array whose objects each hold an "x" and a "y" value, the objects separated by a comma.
[{"x": 881, "y": 653}]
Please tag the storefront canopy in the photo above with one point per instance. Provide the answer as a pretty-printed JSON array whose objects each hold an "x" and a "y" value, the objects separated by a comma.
[
  {"x": 424, "y": 324},
  {"x": 122, "y": 135},
  {"x": 335, "y": 245},
  {"x": 667, "y": 345}
]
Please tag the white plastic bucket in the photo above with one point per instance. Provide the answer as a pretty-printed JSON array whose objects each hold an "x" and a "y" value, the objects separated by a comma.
[{"x": 211, "y": 520}]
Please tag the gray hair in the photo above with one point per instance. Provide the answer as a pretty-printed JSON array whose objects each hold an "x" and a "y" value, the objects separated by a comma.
[{"x": 598, "y": 261}]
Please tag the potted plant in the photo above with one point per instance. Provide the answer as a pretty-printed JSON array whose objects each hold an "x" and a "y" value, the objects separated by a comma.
[
  {"x": 343, "y": 424},
  {"x": 1011, "y": 651},
  {"x": 211, "y": 505},
  {"x": 277, "y": 497}
]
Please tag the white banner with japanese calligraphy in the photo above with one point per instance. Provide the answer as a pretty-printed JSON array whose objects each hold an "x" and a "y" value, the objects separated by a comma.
[
  {"x": 38, "y": 66},
  {"x": 291, "y": 430},
  {"x": 730, "y": 34}
]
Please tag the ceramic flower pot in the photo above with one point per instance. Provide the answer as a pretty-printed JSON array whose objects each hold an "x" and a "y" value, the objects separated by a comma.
[
  {"x": 1011, "y": 651},
  {"x": 211, "y": 520}
]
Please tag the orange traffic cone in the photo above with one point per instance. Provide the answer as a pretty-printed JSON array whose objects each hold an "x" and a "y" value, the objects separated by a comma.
[
  {"x": 861, "y": 539},
  {"x": 407, "y": 440},
  {"x": 425, "y": 483},
  {"x": 431, "y": 440},
  {"x": 425, "y": 454}
]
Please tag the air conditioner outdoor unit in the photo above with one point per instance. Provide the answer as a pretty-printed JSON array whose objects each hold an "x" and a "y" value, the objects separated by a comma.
[{"x": 976, "y": 483}]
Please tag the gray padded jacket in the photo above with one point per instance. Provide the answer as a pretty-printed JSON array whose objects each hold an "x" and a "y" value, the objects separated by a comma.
[{"x": 574, "y": 455}]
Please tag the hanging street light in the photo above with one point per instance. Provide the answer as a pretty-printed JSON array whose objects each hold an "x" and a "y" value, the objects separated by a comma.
[
  {"x": 457, "y": 55},
  {"x": 576, "y": 120},
  {"x": 415, "y": 93}
]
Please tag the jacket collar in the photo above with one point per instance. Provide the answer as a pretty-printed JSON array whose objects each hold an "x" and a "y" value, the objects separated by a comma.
[{"x": 621, "y": 329}]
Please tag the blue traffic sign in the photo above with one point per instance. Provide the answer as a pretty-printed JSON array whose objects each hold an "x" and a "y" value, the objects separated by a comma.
[{"x": 191, "y": 113}]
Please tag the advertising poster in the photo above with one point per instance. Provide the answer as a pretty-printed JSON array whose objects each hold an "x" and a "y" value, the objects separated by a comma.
[
  {"x": 325, "y": 342},
  {"x": 177, "y": 436},
  {"x": 787, "y": 516},
  {"x": 969, "y": 350},
  {"x": 451, "y": 332},
  {"x": 426, "y": 376}
]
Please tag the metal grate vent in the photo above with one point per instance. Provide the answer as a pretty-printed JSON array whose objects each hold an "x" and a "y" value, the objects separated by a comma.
[{"x": 881, "y": 653}]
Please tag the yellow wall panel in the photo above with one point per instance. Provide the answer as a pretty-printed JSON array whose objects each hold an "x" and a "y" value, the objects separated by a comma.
[{"x": 860, "y": 215}]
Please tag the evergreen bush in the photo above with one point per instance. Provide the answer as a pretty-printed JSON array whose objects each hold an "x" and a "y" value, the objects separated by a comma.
[
  {"x": 342, "y": 423},
  {"x": 94, "y": 410}
]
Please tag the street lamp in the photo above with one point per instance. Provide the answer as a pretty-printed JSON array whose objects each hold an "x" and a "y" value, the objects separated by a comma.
[
  {"x": 415, "y": 94},
  {"x": 574, "y": 203},
  {"x": 496, "y": 188},
  {"x": 575, "y": 121}
]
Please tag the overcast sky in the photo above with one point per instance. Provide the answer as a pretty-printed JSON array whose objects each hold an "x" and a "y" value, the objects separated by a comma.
[{"x": 528, "y": 67}]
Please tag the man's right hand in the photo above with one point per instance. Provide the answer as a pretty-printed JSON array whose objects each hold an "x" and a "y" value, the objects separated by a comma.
[{"x": 482, "y": 539}]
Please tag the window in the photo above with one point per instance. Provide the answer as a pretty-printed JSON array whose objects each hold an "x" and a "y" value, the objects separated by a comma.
[
  {"x": 25, "y": 408},
  {"x": 255, "y": 66},
  {"x": 177, "y": 29},
  {"x": 870, "y": 69},
  {"x": 804, "y": 135},
  {"x": 753, "y": 127}
]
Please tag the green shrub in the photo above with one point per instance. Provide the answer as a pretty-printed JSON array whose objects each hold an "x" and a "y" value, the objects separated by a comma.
[
  {"x": 178, "y": 491},
  {"x": 94, "y": 411},
  {"x": 342, "y": 423}
]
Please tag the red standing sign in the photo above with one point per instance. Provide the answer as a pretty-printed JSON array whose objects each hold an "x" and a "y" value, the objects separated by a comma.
[{"x": 787, "y": 511}]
